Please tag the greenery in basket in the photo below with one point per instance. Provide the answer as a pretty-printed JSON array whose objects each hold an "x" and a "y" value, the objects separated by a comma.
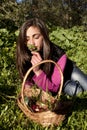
[
  {"x": 74, "y": 41},
  {"x": 38, "y": 102}
]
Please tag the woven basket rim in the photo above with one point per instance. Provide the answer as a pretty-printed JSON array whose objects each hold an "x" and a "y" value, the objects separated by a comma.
[
  {"x": 30, "y": 69},
  {"x": 24, "y": 107}
]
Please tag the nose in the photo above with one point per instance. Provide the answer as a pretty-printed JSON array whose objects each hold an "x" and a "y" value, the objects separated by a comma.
[{"x": 32, "y": 41}]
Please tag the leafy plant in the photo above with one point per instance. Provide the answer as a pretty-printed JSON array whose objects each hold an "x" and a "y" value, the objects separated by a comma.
[{"x": 74, "y": 41}]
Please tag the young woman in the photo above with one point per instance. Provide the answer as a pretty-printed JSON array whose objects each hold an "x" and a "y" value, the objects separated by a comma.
[{"x": 34, "y": 32}]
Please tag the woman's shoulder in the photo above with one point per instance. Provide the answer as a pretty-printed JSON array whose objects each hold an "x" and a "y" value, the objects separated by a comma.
[
  {"x": 57, "y": 51},
  {"x": 57, "y": 46}
]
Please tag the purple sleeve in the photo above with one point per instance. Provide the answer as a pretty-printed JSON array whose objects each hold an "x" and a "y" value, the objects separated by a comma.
[{"x": 43, "y": 81}]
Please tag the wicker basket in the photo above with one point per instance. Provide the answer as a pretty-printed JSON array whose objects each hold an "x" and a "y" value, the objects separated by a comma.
[{"x": 46, "y": 117}]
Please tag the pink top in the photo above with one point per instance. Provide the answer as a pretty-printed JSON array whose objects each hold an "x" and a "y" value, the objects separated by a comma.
[{"x": 44, "y": 82}]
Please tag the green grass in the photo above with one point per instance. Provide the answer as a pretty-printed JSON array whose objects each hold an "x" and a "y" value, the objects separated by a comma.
[{"x": 74, "y": 41}]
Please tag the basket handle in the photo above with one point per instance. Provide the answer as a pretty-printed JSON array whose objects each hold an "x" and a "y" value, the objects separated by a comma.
[{"x": 28, "y": 72}]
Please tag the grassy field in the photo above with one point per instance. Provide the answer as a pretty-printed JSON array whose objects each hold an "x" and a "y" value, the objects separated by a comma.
[{"x": 74, "y": 41}]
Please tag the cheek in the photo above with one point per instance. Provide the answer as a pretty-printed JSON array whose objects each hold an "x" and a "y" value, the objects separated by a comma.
[{"x": 40, "y": 43}]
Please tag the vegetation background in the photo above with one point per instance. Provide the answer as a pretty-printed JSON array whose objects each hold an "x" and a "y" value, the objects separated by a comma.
[{"x": 67, "y": 23}]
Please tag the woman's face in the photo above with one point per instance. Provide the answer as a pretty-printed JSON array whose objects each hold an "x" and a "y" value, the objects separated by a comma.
[{"x": 34, "y": 37}]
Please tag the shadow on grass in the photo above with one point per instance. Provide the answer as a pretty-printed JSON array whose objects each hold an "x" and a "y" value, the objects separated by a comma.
[
  {"x": 7, "y": 93},
  {"x": 80, "y": 104},
  {"x": 76, "y": 113}
]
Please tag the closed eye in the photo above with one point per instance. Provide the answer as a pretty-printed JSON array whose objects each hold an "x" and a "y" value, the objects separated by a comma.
[{"x": 36, "y": 36}]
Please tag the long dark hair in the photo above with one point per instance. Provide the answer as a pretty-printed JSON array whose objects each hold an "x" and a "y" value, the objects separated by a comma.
[{"x": 23, "y": 54}]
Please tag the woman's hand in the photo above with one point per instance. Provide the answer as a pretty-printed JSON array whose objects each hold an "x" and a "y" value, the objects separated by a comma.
[{"x": 36, "y": 58}]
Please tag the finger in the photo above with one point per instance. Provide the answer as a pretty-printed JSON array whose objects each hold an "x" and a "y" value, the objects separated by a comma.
[
  {"x": 35, "y": 60},
  {"x": 37, "y": 55}
]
